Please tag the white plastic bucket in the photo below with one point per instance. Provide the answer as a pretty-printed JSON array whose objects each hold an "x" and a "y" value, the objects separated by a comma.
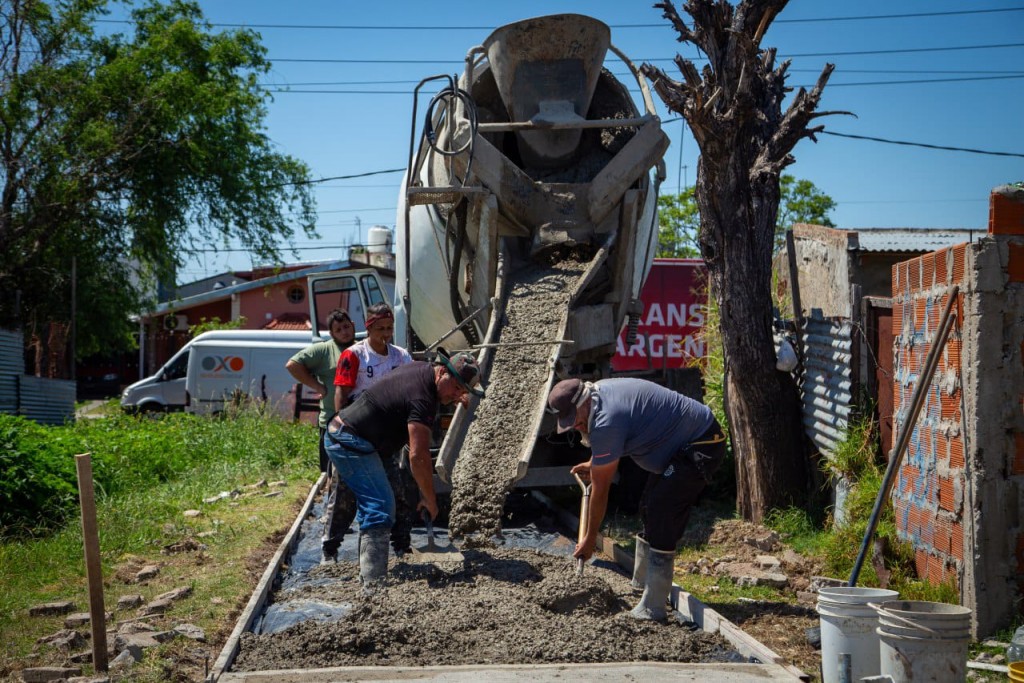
[
  {"x": 923, "y": 641},
  {"x": 848, "y": 626}
]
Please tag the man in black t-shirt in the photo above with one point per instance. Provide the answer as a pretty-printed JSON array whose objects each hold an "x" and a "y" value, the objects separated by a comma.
[{"x": 399, "y": 409}]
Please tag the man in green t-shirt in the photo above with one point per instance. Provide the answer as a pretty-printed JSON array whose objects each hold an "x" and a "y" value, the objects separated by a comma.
[{"x": 314, "y": 367}]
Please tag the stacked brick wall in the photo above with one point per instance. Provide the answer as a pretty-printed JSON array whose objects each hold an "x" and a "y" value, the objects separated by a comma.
[
  {"x": 928, "y": 495},
  {"x": 959, "y": 493}
]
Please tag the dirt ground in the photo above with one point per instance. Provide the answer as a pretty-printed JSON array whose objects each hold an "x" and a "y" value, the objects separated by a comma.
[
  {"x": 502, "y": 606},
  {"x": 782, "y": 624}
]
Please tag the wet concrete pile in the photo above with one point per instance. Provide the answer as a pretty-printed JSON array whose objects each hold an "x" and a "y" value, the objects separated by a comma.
[
  {"x": 507, "y": 606},
  {"x": 500, "y": 429}
]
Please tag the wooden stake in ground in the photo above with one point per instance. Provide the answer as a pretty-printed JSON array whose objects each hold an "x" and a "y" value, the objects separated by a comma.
[{"x": 93, "y": 568}]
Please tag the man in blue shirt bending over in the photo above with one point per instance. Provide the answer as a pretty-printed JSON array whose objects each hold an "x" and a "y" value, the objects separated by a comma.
[{"x": 676, "y": 439}]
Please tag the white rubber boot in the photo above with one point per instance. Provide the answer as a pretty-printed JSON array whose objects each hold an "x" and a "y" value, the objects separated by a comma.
[
  {"x": 640, "y": 563},
  {"x": 652, "y": 604},
  {"x": 373, "y": 558}
]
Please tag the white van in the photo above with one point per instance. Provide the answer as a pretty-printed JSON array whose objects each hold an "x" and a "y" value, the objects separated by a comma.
[
  {"x": 165, "y": 390},
  {"x": 353, "y": 290},
  {"x": 222, "y": 371}
]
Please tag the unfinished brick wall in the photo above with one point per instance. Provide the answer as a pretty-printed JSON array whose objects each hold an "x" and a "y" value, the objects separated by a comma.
[
  {"x": 958, "y": 496},
  {"x": 928, "y": 495}
]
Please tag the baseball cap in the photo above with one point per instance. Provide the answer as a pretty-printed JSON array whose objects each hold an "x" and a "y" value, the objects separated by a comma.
[
  {"x": 563, "y": 399},
  {"x": 464, "y": 368}
]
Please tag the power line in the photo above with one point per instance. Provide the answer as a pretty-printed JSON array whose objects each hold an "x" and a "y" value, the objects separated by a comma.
[
  {"x": 374, "y": 27},
  {"x": 832, "y": 84},
  {"x": 899, "y": 142},
  {"x": 315, "y": 181},
  {"x": 311, "y": 84},
  {"x": 913, "y": 50},
  {"x": 923, "y": 144}
]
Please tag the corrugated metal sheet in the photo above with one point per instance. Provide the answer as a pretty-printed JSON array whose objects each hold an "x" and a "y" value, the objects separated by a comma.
[
  {"x": 12, "y": 353},
  {"x": 47, "y": 401},
  {"x": 827, "y": 382},
  {"x": 9, "y": 394},
  {"x": 911, "y": 239}
]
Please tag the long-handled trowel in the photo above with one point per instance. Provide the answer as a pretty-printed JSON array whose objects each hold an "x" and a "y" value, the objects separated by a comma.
[{"x": 431, "y": 552}]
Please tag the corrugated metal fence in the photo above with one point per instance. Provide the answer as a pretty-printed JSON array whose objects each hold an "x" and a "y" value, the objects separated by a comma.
[
  {"x": 827, "y": 381},
  {"x": 48, "y": 401}
]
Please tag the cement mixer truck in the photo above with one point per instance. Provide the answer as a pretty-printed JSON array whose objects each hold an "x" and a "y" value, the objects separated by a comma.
[
  {"x": 535, "y": 157},
  {"x": 527, "y": 223}
]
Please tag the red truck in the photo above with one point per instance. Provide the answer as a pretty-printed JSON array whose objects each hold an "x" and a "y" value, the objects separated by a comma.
[{"x": 675, "y": 303}]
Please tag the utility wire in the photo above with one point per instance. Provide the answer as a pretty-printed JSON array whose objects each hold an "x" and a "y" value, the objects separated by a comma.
[
  {"x": 913, "y": 50},
  {"x": 314, "y": 181},
  {"x": 832, "y": 84},
  {"x": 923, "y": 144},
  {"x": 899, "y": 142},
  {"x": 371, "y": 27}
]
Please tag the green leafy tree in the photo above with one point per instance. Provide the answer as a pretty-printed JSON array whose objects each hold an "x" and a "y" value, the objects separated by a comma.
[
  {"x": 129, "y": 152},
  {"x": 679, "y": 217},
  {"x": 678, "y": 222},
  {"x": 800, "y": 202}
]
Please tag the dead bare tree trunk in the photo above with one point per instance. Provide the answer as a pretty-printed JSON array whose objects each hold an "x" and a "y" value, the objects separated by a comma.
[{"x": 734, "y": 109}]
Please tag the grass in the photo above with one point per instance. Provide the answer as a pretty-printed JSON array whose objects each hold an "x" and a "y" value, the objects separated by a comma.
[{"x": 140, "y": 520}]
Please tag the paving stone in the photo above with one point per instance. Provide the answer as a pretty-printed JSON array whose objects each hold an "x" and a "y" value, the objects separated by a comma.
[
  {"x": 165, "y": 636},
  {"x": 790, "y": 556},
  {"x": 123, "y": 661},
  {"x": 191, "y": 513},
  {"x": 207, "y": 534},
  {"x": 68, "y": 638},
  {"x": 134, "y": 626},
  {"x": 996, "y": 643},
  {"x": 278, "y": 484},
  {"x": 154, "y": 607},
  {"x": 261, "y": 484},
  {"x": 191, "y": 631},
  {"x": 49, "y": 673},
  {"x": 150, "y": 571},
  {"x": 84, "y": 657},
  {"x": 775, "y": 580},
  {"x": 766, "y": 541},
  {"x": 81, "y": 619},
  {"x": 272, "y": 494},
  {"x": 141, "y": 641},
  {"x": 48, "y": 609},
  {"x": 819, "y": 582},
  {"x": 176, "y": 594},
  {"x": 129, "y": 601},
  {"x": 767, "y": 561},
  {"x": 89, "y": 679}
]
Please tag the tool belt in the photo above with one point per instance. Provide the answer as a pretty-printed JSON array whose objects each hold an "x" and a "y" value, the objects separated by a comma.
[{"x": 707, "y": 453}]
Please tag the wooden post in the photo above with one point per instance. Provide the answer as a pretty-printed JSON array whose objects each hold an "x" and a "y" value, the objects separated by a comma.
[
  {"x": 794, "y": 283},
  {"x": 93, "y": 568}
]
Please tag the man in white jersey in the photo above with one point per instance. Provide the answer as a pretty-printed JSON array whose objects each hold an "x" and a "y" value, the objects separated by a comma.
[
  {"x": 676, "y": 439},
  {"x": 361, "y": 366}
]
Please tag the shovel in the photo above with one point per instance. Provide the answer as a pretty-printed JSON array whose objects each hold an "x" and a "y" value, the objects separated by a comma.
[
  {"x": 584, "y": 517},
  {"x": 431, "y": 552}
]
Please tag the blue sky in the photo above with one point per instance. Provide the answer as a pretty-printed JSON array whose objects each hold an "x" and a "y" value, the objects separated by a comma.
[{"x": 347, "y": 118}]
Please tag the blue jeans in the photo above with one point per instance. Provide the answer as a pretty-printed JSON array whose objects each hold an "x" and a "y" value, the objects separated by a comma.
[{"x": 362, "y": 469}]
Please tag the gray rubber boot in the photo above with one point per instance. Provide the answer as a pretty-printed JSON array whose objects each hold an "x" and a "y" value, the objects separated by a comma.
[
  {"x": 640, "y": 563},
  {"x": 373, "y": 558},
  {"x": 652, "y": 604}
]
